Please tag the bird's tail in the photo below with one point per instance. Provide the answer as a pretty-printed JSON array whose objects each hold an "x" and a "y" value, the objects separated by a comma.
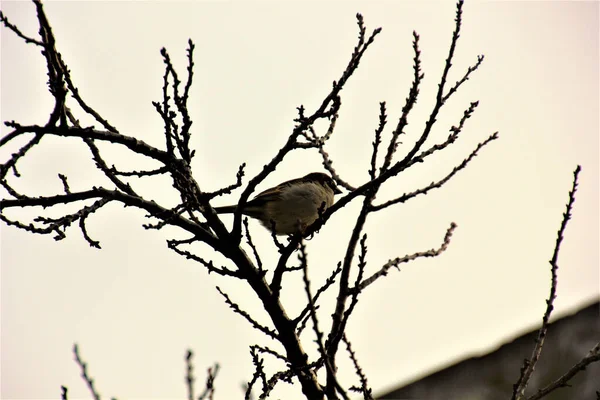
[{"x": 225, "y": 209}]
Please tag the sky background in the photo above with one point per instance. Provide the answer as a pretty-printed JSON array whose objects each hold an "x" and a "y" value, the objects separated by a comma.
[{"x": 134, "y": 307}]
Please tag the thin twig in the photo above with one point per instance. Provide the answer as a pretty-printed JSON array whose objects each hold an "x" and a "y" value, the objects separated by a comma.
[
  {"x": 529, "y": 365},
  {"x": 328, "y": 282},
  {"x": 400, "y": 260},
  {"x": 236, "y": 308},
  {"x": 63, "y": 393},
  {"x": 377, "y": 142},
  {"x": 411, "y": 100},
  {"x": 437, "y": 184},
  {"x": 266, "y": 350},
  {"x": 331, "y": 373},
  {"x": 209, "y": 389},
  {"x": 174, "y": 245},
  {"x": 591, "y": 357},
  {"x": 84, "y": 373},
  {"x": 252, "y": 246},
  {"x": 465, "y": 78},
  {"x": 189, "y": 374},
  {"x": 16, "y": 30},
  {"x": 364, "y": 389}
]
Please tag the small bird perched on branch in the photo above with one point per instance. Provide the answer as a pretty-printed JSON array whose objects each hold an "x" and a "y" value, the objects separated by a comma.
[{"x": 291, "y": 206}]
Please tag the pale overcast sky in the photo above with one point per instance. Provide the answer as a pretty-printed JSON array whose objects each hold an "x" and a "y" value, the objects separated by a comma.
[{"x": 134, "y": 307}]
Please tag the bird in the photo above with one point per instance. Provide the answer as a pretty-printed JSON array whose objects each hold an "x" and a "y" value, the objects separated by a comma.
[{"x": 291, "y": 206}]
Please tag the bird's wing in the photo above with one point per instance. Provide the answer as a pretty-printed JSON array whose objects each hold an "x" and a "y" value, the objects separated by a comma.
[{"x": 273, "y": 193}]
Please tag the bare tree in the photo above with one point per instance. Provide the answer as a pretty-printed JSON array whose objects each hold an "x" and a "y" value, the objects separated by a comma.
[{"x": 195, "y": 216}]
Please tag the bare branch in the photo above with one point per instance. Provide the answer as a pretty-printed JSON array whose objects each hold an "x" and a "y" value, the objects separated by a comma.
[
  {"x": 319, "y": 143},
  {"x": 139, "y": 174},
  {"x": 165, "y": 218},
  {"x": 269, "y": 332},
  {"x": 304, "y": 320},
  {"x": 173, "y": 245},
  {"x": 437, "y": 184},
  {"x": 339, "y": 317},
  {"x": 364, "y": 389},
  {"x": 285, "y": 251},
  {"x": 189, "y": 374},
  {"x": 84, "y": 106},
  {"x": 86, "y": 236},
  {"x": 16, "y": 30},
  {"x": 227, "y": 189},
  {"x": 101, "y": 164},
  {"x": 190, "y": 71},
  {"x": 55, "y": 71},
  {"x": 529, "y": 365},
  {"x": 328, "y": 282},
  {"x": 259, "y": 372},
  {"x": 209, "y": 389},
  {"x": 465, "y": 78},
  {"x": 409, "y": 160},
  {"x": 11, "y": 164},
  {"x": 377, "y": 142},
  {"x": 84, "y": 373},
  {"x": 448, "y": 64},
  {"x": 131, "y": 143},
  {"x": 411, "y": 100},
  {"x": 266, "y": 350},
  {"x": 59, "y": 225},
  {"x": 282, "y": 376},
  {"x": 154, "y": 209},
  {"x": 252, "y": 246},
  {"x": 331, "y": 372},
  {"x": 63, "y": 179},
  {"x": 591, "y": 357},
  {"x": 63, "y": 393},
  {"x": 400, "y": 260}
]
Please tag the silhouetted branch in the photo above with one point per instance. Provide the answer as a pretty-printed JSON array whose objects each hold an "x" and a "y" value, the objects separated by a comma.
[
  {"x": 400, "y": 260},
  {"x": 227, "y": 189},
  {"x": 328, "y": 282},
  {"x": 209, "y": 389},
  {"x": 189, "y": 375},
  {"x": 139, "y": 174},
  {"x": 236, "y": 308},
  {"x": 259, "y": 373},
  {"x": 529, "y": 365},
  {"x": 16, "y": 30},
  {"x": 131, "y": 143},
  {"x": 173, "y": 245},
  {"x": 437, "y": 184},
  {"x": 75, "y": 94},
  {"x": 252, "y": 246},
  {"x": 377, "y": 142},
  {"x": 266, "y": 350},
  {"x": 465, "y": 78},
  {"x": 364, "y": 389},
  {"x": 63, "y": 179},
  {"x": 411, "y": 100},
  {"x": 281, "y": 376},
  {"x": 563, "y": 381},
  {"x": 150, "y": 206},
  {"x": 84, "y": 373},
  {"x": 331, "y": 372}
]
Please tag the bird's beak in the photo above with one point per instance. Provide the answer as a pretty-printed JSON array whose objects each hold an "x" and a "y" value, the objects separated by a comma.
[{"x": 336, "y": 190}]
